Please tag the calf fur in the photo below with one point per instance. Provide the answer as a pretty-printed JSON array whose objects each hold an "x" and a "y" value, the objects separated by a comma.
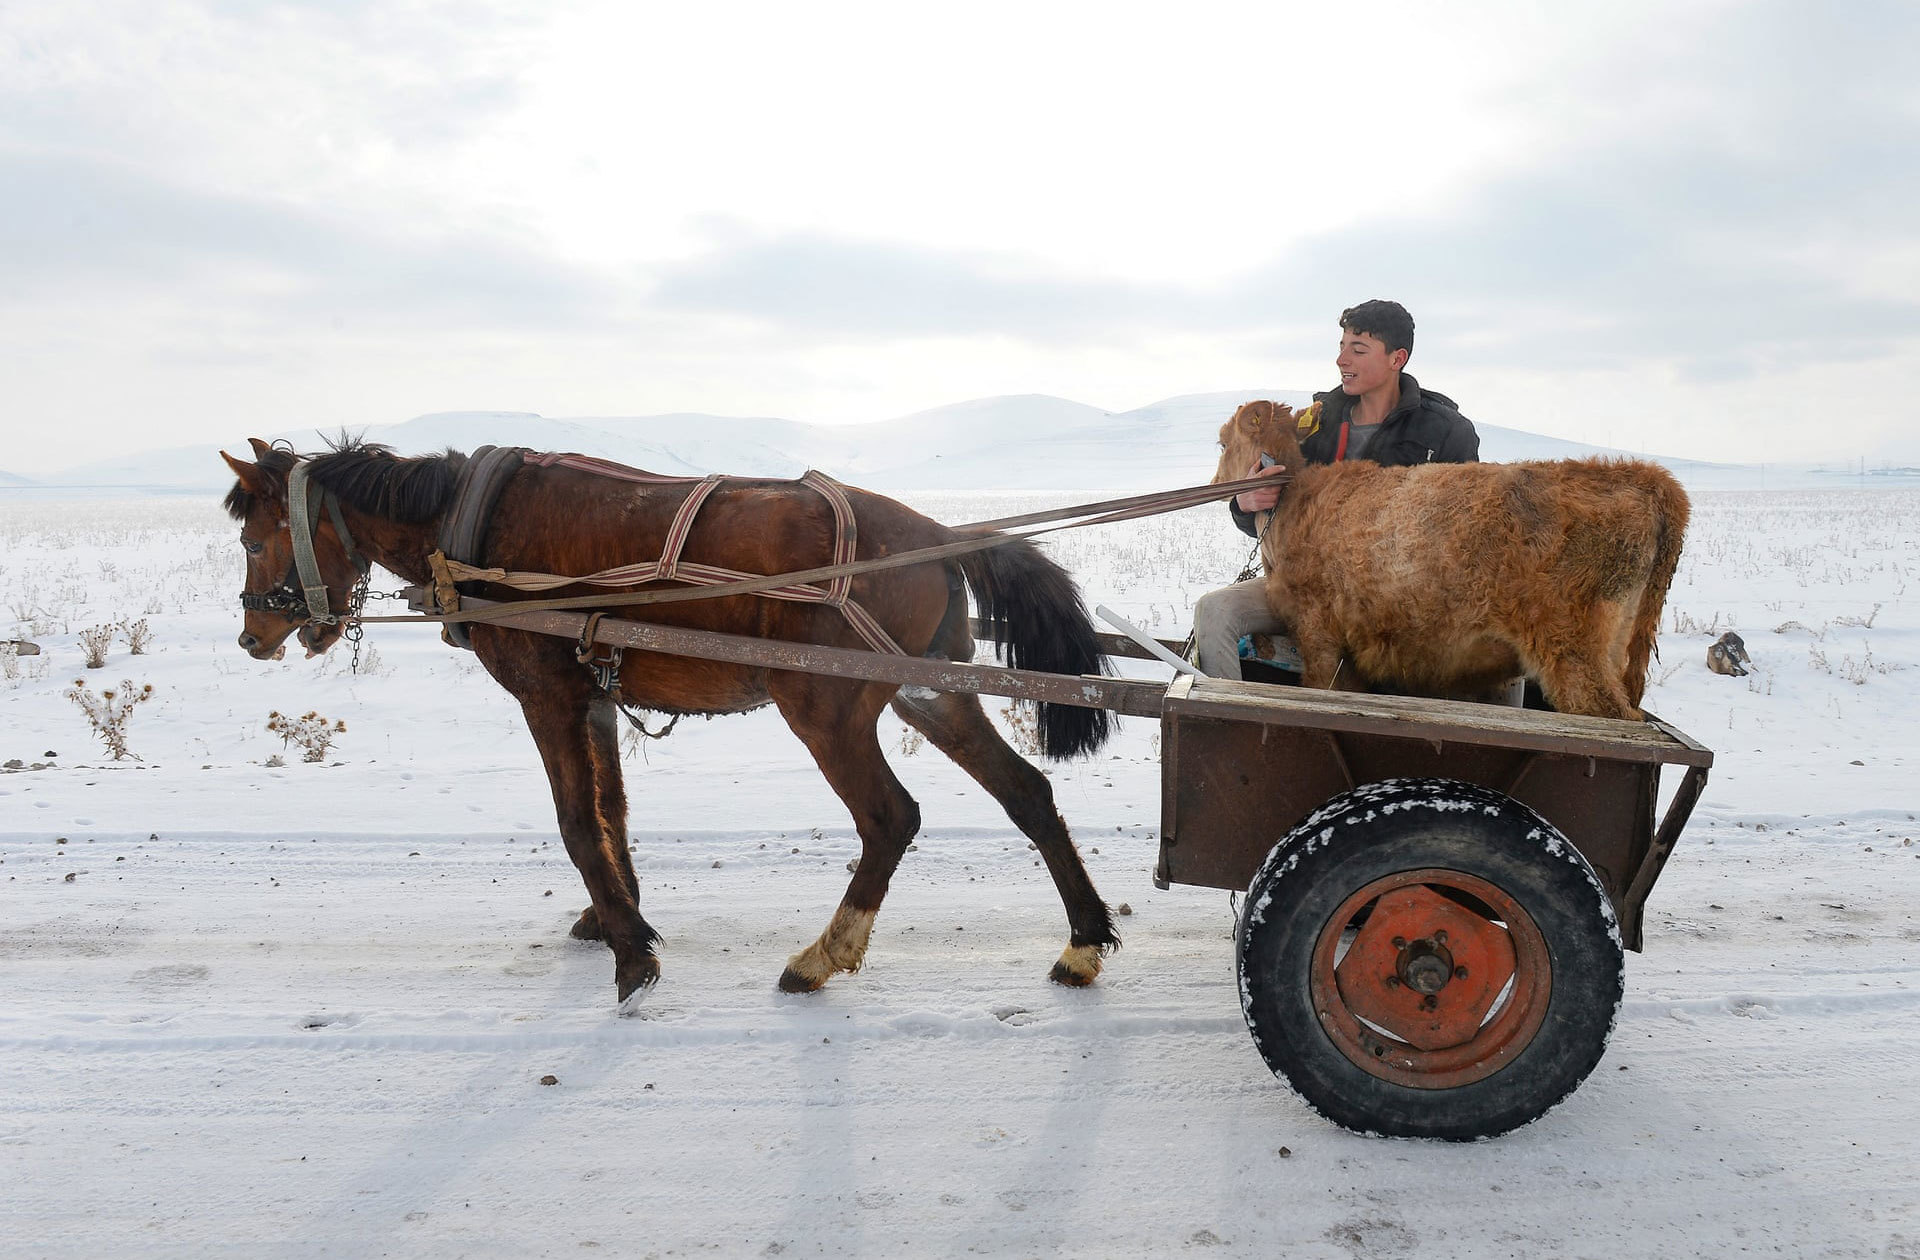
[{"x": 1441, "y": 579}]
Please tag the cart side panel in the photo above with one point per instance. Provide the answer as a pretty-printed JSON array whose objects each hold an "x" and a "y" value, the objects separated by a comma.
[{"x": 1231, "y": 789}]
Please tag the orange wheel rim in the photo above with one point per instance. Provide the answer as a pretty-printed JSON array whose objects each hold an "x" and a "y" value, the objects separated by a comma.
[{"x": 1431, "y": 978}]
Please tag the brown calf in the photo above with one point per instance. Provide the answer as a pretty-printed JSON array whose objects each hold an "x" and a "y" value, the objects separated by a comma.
[{"x": 1446, "y": 578}]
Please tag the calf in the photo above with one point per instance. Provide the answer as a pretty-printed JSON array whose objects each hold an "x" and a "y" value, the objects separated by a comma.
[{"x": 1446, "y": 578}]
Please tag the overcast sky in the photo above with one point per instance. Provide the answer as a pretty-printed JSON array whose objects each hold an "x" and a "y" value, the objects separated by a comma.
[{"x": 1692, "y": 228}]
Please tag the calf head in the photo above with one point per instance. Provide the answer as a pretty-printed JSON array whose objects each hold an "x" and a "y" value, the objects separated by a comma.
[{"x": 1256, "y": 428}]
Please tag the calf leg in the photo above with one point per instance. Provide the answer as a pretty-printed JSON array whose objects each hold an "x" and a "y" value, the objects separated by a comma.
[
  {"x": 958, "y": 727},
  {"x": 835, "y": 720},
  {"x": 1577, "y": 668},
  {"x": 1320, "y": 653}
]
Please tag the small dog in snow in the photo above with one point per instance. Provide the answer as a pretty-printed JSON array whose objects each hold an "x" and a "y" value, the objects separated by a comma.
[{"x": 1728, "y": 655}]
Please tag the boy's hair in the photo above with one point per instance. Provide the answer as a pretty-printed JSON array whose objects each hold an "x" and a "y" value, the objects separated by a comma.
[{"x": 1388, "y": 321}]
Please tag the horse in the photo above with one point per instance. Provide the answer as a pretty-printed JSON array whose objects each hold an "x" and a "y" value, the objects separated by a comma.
[
  {"x": 572, "y": 521},
  {"x": 1443, "y": 579}
]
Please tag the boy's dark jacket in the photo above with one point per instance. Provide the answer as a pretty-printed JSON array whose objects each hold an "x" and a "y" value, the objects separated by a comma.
[{"x": 1424, "y": 427}]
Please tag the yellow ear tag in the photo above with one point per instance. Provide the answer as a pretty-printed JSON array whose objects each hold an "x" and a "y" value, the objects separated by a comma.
[{"x": 1307, "y": 423}]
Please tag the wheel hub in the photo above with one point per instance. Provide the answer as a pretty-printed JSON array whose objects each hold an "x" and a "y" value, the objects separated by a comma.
[
  {"x": 1417, "y": 997},
  {"x": 1426, "y": 965}
]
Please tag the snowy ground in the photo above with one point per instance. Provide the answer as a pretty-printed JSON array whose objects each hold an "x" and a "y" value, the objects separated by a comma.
[{"x": 306, "y": 1009}]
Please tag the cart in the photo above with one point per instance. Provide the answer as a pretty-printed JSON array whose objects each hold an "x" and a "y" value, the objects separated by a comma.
[{"x": 1438, "y": 893}]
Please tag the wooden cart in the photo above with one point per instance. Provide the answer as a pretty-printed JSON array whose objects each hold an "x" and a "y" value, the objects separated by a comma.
[{"x": 1438, "y": 893}]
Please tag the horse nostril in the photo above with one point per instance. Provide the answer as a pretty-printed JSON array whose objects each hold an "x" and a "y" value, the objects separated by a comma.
[{"x": 248, "y": 643}]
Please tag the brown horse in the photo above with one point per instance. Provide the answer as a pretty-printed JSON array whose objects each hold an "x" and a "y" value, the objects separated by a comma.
[
  {"x": 563, "y": 520},
  {"x": 1445, "y": 578}
]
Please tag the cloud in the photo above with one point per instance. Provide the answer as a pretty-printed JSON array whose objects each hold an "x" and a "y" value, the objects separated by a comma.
[
  {"x": 822, "y": 286},
  {"x": 77, "y": 230},
  {"x": 1722, "y": 200}
]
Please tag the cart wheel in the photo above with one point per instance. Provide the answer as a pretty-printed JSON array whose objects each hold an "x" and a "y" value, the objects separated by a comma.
[{"x": 1429, "y": 958}]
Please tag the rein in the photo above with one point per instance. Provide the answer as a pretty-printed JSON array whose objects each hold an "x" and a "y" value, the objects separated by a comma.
[{"x": 984, "y": 534}]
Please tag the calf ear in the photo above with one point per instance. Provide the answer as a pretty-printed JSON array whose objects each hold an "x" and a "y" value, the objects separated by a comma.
[{"x": 249, "y": 474}]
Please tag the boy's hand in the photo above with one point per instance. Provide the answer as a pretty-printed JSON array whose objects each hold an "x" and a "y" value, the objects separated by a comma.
[{"x": 1260, "y": 500}]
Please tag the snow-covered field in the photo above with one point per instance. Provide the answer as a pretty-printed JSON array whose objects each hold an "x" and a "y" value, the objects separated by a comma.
[{"x": 254, "y": 1008}]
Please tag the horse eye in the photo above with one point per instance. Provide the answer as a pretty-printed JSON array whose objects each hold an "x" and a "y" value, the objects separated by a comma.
[{"x": 253, "y": 548}]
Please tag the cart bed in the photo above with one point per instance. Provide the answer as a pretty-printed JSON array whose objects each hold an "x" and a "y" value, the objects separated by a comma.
[{"x": 1243, "y": 763}]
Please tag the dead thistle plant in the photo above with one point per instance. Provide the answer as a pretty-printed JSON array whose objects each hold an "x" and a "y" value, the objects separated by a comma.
[
  {"x": 137, "y": 634},
  {"x": 1023, "y": 727},
  {"x": 95, "y": 640},
  {"x": 108, "y": 712},
  {"x": 312, "y": 732}
]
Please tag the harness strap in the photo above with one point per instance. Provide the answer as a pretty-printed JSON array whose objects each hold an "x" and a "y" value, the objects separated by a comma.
[
  {"x": 721, "y": 582},
  {"x": 666, "y": 569},
  {"x": 846, "y": 537},
  {"x": 304, "y": 513},
  {"x": 339, "y": 520},
  {"x": 463, "y": 531}
]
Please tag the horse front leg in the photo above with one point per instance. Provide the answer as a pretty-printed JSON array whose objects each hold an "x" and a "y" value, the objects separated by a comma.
[
  {"x": 603, "y": 733},
  {"x": 584, "y": 772}
]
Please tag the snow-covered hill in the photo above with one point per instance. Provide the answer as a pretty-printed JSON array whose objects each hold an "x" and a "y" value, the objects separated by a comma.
[{"x": 1016, "y": 442}]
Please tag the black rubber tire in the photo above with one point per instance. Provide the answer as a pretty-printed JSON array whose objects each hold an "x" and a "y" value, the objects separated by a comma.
[{"x": 1401, "y": 825}]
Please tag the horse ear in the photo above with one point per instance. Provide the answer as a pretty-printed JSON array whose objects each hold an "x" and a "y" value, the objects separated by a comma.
[
  {"x": 249, "y": 474},
  {"x": 260, "y": 449}
]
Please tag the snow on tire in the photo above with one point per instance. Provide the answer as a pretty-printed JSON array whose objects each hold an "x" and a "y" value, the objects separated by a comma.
[{"x": 1429, "y": 958}]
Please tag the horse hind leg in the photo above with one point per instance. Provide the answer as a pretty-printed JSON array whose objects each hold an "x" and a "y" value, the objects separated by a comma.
[
  {"x": 835, "y": 720},
  {"x": 958, "y": 727}
]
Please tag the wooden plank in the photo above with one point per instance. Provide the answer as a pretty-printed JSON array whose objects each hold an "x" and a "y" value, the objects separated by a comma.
[
  {"x": 1110, "y": 644},
  {"x": 1448, "y": 720},
  {"x": 1678, "y": 811},
  {"x": 1136, "y": 697}
]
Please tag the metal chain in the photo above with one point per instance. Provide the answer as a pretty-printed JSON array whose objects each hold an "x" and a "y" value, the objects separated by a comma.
[
  {"x": 633, "y": 715},
  {"x": 1250, "y": 569},
  {"x": 352, "y": 631}
]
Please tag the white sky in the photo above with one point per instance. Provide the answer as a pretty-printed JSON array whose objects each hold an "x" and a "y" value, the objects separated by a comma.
[{"x": 1684, "y": 227}]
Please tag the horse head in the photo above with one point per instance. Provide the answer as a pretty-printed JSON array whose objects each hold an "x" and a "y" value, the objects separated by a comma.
[
  {"x": 1258, "y": 428},
  {"x": 276, "y": 597}
]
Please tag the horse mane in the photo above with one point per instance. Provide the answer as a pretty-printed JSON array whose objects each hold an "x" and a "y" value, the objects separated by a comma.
[{"x": 368, "y": 477}]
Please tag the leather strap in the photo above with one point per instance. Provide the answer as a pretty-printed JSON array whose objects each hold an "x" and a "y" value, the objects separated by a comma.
[
  {"x": 303, "y": 514},
  {"x": 463, "y": 531}
]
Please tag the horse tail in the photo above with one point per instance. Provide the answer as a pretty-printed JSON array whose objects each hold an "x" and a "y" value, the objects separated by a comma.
[
  {"x": 1035, "y": 616},
  {"x": 1671, "y": 512}
]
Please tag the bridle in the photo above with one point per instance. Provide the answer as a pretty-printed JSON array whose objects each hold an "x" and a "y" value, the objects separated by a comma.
[{"x": 302, "y": 594}]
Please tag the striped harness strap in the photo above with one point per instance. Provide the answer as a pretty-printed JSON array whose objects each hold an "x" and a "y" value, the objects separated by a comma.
[{"x": 670, "y": 567}]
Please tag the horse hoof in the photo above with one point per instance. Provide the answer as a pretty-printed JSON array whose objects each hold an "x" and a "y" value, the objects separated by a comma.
[
  {"x": 792, "y": 981},
  {"x": 643, "y": 974},
  {"x": 587, "y": 926},
  {"x": 1078, "y": 967}
]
